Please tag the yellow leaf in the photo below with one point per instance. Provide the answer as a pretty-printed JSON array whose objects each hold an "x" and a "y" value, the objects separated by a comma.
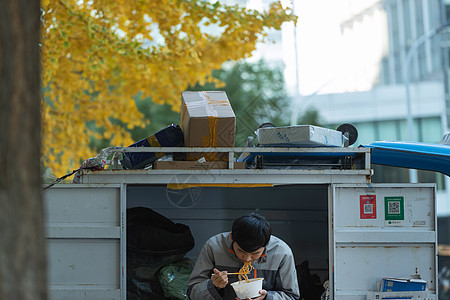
[{"x": 94, "y": 63}]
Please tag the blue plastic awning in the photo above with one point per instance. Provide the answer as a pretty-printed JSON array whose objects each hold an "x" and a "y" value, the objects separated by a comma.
[{"x": 432, "y": 157}]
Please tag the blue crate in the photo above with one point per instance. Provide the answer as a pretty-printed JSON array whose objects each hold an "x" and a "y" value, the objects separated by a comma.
[{"x": 402, "y": 284}]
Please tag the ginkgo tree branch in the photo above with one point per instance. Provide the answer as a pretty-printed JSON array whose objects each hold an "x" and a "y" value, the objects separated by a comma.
[{"x": 93, "y": 52}]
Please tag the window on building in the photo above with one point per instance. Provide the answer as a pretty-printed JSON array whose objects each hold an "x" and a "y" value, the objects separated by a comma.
[
  {"x": 388, "y": 131},
  {"x": 407, "y": 20},
  {"x": 366, "y": 133},
  {"x": 385, "y": 71},
  {"x": 430, "y": 130},
  {"x": 395, "y": 48},
  {"x": 419, "y": 18},
  {"x": 420, "y": 70},
  {"x": 389, "y": 174},
  {"x": 398, "y": 68},
  {"x": 426, "y": 130},
  {"x": 432, "y": 177},
  {"x": 447, "y": 18},
  {"x": 447, "y": 12}
]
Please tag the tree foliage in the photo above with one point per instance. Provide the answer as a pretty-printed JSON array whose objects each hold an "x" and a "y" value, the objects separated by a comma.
[{"x": 97, "y": 54}]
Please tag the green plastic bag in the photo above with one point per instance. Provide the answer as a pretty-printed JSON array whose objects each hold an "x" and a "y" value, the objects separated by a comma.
[{"x": 174, "y": 278}]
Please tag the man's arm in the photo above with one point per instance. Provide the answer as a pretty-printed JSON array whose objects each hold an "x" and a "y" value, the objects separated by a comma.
[
  {"x": 286, "y": 282},
  {"x": 200, "y": 285}
]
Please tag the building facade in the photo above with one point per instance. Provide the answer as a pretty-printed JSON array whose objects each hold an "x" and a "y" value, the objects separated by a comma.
[{"x": 392, "y": 55}]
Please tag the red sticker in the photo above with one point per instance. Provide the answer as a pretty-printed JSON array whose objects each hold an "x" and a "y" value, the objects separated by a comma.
[{"x": 368, "y": 206}]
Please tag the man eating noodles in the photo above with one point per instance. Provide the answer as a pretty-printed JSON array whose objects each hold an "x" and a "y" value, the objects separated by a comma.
[{"x": 250, "y": 241}]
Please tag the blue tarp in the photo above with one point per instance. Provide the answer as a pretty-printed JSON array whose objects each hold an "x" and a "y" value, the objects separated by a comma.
[{"x": 432, "y": 157}]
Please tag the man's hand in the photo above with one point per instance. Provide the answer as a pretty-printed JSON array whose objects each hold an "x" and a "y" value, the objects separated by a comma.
[
  {"x": 263, "y": 294},
  {"x": 219, "y": 279}
]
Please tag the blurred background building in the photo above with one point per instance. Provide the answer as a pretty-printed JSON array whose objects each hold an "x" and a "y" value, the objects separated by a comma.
[
  {"x": 347, "y": 59},
  {"x": 368, "y": 83},
  {"x": 364, "y": 62},
  {"x": 381, "y": 65},
  {"x": 350, "y": 66}
]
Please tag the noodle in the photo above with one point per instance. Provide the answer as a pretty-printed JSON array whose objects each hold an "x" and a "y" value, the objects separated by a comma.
[{"x": 246, "y": 268}]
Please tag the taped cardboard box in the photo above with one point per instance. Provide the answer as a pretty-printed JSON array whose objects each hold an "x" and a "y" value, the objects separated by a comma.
[
  {"x": 207, "y": 120},
  {"x": 195, "y": 165}
]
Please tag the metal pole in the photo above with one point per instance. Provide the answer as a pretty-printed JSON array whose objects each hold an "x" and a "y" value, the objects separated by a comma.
[{"x": 297, "y": 96}]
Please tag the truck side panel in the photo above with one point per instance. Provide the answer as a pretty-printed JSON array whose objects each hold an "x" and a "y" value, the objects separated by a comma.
[
  {"x": 83, "y": 240},
  {"x": 394, "y": 237}
]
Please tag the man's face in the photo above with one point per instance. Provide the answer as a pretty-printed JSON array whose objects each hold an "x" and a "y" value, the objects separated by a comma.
[{"x": 247, "y": 256}]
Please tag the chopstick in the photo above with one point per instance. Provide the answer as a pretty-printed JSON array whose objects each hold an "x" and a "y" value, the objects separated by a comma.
[{"x": 230, "y": 273}]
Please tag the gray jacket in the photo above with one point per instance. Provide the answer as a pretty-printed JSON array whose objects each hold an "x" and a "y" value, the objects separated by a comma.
[{"x": 276, "y": 265}]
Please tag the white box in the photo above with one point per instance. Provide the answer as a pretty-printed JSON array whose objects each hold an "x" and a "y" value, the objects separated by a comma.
[
  {"x": 300, "y": 136},
  {"x": 399, "y": 295}
]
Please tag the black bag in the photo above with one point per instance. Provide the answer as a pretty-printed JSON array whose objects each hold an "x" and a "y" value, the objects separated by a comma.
[
  {"x": 151, "y": 233},
  {"x": 309, "y": 284},
  {"x": 171, "y": 136},
  {"x": 153, "y": 241}
]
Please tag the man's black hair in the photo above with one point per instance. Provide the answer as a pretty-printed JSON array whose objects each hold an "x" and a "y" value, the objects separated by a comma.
[{"x": 251, "y": 232}]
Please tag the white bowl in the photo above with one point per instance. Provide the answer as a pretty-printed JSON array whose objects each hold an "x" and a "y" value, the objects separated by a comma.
[{"x": 246, "y": 289}]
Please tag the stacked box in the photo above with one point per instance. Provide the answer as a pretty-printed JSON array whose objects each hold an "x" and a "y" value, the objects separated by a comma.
[{"x": 207, "y": 120}]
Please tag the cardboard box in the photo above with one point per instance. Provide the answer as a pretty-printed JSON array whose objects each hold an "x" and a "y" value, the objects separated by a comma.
[
  {"x": 207, "y": 120},
  {"x": 300, "y": 136},
  {"x": 194, "y": 165},
  {"x": 402, "y": 284}
]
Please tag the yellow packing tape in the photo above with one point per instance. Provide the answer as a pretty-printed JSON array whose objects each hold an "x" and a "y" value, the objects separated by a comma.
[
  {"x": 183, "y": 115},
  {"x": 153, "y": 141},
  {"x": 211, "y": 139},
  {"x": 212, "y": 123},
  {"x": 180, "y": 186}
]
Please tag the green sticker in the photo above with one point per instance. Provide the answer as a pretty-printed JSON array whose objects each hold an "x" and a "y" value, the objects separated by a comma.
[{"x": 394, "y": 208}]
